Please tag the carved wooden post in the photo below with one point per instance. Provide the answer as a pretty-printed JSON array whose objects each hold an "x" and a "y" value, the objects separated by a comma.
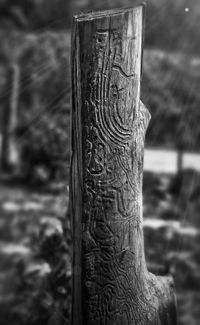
[{"x": 111, "y": 284}]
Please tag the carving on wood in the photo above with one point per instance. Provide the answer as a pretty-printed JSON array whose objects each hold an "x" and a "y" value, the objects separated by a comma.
[{"x": 116, "y": 287}]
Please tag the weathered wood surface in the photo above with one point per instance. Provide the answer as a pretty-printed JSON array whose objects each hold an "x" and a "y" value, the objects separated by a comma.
[{"x": 111, "y": 284}]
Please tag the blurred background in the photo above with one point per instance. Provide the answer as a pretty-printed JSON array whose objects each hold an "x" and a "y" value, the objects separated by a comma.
[{"x": 35, "y": 237}]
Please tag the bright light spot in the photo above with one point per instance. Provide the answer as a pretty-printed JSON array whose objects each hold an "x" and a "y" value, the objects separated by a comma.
[
  {"x": 11, "y": 249},
  {"x": 187, "y": 9}
]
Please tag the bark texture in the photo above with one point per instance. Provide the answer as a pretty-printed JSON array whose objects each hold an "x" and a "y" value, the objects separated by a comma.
[{"x": 111, "y": 284}]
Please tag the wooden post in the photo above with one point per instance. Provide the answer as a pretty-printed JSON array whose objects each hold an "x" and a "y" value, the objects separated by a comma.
[
  {"x": 111, "y": 284},
  {"x": 10, "y": 152}
]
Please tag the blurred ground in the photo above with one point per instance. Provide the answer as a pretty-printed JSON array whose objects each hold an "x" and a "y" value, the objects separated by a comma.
[
  {"x": 172, "y": 236},
  {"x": 29, "y": 226}
]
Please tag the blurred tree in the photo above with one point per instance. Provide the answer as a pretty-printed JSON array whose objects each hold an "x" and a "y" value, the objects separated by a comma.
[
  {"x": 44, "y": 105},
  {"x": 170, "y": 87},
  {"x": 52, "y": 14},
  {"x": 178, "y": 28},
  {"x": 10, "y": 152},
  {"x": 31, "y": 14},
  {"x": 13, "y": 13}
]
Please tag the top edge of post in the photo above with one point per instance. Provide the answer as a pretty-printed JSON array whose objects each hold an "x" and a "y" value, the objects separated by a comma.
[{"x": 106, "y": 13}]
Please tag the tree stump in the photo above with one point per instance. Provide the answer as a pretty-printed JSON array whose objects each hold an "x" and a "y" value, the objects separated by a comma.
[{"x": 111, "y": 284}]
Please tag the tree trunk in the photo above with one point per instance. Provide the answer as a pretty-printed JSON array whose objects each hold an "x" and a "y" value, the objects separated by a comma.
[
  {"x": 111, "y": 284},
  {"x": 179, "y": 160},
  {"x": 10, "y": 152}
]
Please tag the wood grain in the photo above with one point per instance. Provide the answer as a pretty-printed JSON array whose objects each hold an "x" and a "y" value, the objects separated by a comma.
[{"x": 111, "y": 285}]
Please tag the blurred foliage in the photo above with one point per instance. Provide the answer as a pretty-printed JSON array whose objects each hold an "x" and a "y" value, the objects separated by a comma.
[
  {"x": 178, "y": 29},
  {"x": 52, "y": 299},
  {"x": 35, "y": 248},
  {"x": 35, "y": 251},
  {"x": 169, "y": 89},
  {"x": 35, "y": 14},
  {"x": 44, "y": 102}
]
